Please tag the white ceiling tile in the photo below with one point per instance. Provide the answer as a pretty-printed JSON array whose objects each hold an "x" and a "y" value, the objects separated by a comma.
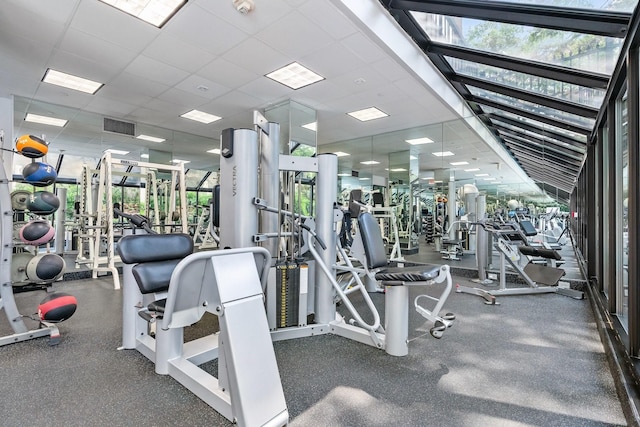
[
  {"x": 229, "y": 74},
  {"x": 253, "y": 54},
  {"x": 196, "y": 85},
  {"x": 263, "y": 15},
  {"x": 300, "y": 35},
  {"x": 114, "y": 26},
  {"x": 133, "y": 86},
  {"x": 332, "y": 21},
  {"x": 363, "y": 47},
  {"x": 178, "y": 53},
  {"x": 197, "y": 26},
  {"x": 156, "y": 71}
]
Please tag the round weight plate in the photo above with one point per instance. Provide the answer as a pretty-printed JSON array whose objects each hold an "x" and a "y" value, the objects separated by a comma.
[
  {"x": 19, "y": 263},
  {"x": 17, "y": 225},
  {"x": 19, "y": 199}
]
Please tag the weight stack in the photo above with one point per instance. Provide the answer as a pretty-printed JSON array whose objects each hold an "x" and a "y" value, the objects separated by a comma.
[{"x": 287, "y": 293}]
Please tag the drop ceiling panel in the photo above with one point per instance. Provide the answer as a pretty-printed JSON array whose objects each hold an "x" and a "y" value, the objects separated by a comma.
[
  {"x": 250, "y": 23},
  {"x": 331, "y": 61},
  {"x": 201, "y": 88},
  {"x": 133, "y": 88},
  {"x": 110, "y": 24},
  {"x": 227, "y": 73},
  {"x": 195, "y": 25},
  {"x": 287, "y": 43},
  {"x": 156, "y": 71},
  {"x": 253, "y": 54},
  {"x": 172, "y": 51},
  {"x": 329, "y": 19}
]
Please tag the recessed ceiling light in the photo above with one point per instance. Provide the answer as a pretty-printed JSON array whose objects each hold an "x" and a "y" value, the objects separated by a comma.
[
  {"x": 34, "y": 118},
  {"x": 113, "y": 151},
  {"x": 482, "y": 174},
  {"x": 311, "y": 126},
  {"x": 364, "y": 179},
  {"x": 398, "y": 170},
  {"x": 489, "y": 179},
  {"x": 412, "y": 157},
  {"x": 418, "y": 141},
  {"x": 341, "y": 153},
  {"x": 370, "y": 162},
  {"x": 180, "y": 161},
  {"x": 442, "y": 153},
  {"x": 214, "y": 151},
  {"x": 344, "y": 174},
  {"x": 368, "y": 114},
  {"x": 458, "y": 163},
  {"x": 155, "y": 12},
  {"x": 472, "y": 170},
  {"x": 144, "y": 156},
  {"x": 200, "y": 116},
  {"x": 294, "y": 76},
  {"x": 150, "y": 138},
  {"x": 71, "y": 82}
]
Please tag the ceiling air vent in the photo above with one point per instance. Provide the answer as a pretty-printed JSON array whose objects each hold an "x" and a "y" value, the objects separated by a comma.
[{"x": 116, "y": 126}]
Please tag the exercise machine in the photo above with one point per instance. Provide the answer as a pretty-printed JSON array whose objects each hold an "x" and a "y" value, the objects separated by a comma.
[
  {"x": 511, "y": 244},
  {"x": 167, "y": 288}
]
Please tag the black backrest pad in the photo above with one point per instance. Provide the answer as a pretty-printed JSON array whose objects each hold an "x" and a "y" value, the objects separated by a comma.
[
  {"x": 154, "y": 247},
  {"x": 154, "y": 276},
  {"x": 372, "y": 240},
  {"x": 527, "y": 228}
]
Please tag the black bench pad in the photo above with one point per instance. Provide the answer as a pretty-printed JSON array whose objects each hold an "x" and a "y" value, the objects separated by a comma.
[
  {"x": 154, "y": 247},
  {"x": 154, "y": 276},
  {"x": 419, "y": 273},
  {"x": 540, "y": 252}
]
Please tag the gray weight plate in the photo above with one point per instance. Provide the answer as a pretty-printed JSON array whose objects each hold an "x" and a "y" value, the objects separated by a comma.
[
  {"x": 19, "y": 263},
  {"x": 19, "y": 199}
]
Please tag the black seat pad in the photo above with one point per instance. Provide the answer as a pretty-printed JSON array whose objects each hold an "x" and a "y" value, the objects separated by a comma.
[
  {"x": 540, "y": 252},
  {"x": 154, "y": 276},
  {"x": 418, "y": 273}
]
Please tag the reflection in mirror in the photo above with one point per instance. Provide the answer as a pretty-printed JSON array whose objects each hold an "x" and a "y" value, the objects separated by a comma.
[{"x": 298, "y": 128}]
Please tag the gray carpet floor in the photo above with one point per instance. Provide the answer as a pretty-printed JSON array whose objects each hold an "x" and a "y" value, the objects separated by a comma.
[{"x": 532, "y": 361}]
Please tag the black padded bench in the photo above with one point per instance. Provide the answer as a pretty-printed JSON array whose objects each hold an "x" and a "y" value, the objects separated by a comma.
[
  {"x": 396, "y": 281},
  {"x": 152, "y": 258}
]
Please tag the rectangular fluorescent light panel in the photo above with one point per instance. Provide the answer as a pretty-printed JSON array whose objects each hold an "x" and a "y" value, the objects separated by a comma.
[
  {"x": 341, "y": 153},
  {"x": 398, "y": 170},
  {"x": 155, "y": 12},
  {"x": 144, "y": 156},
  {"x": 370, "y": 162},
  {"x": 71, "y": 82},
  {"x": 180, "y": 161},
  {"x": 150, "y": 138},
  {"x": 313, "y": 126},
  {"x": 113, "y": 151},
  {"x": 200, "y": 116},
  {"x": 294, "y": 76},
  {"x": 34, "y": 118},
  {"x": 442, "y": 153},
  {"x": 418, "y": 141},
  {"x": 472, "y": 170},
  {"x": 214, "y": 151},
  {"x": 458, "y": 163},
  {"x": 368, "y": 114},
  {"x": 482, "y": 174}
]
